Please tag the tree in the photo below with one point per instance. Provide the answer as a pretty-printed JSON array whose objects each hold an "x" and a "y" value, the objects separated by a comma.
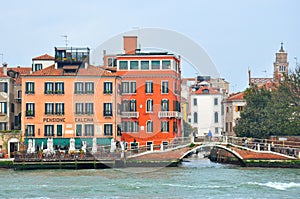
[{"x": 272, "y": 111}]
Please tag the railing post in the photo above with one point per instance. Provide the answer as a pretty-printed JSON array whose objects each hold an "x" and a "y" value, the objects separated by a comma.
[
  {"x": 258, "y": 147},
  {"x": 151, "y": 147},
  {"x": 269, "y": 147},
  {"x": 161, "y": 147}
]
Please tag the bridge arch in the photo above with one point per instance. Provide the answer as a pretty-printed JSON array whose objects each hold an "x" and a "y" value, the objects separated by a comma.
[{"x": 218, "y": 146}]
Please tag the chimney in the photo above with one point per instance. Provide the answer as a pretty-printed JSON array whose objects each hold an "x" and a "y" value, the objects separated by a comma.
[
  {"x": 130, "y": 44},
  {"x": 4, "y": 68}
]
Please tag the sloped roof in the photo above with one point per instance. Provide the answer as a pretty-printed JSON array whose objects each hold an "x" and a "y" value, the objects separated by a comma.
[
  {"x": 203, "y": 91},
  {"x": 43, "y": 57},
  {"x": 20, "y": 70},
  {"x": 237, "y": 96},
  {"x": 89, "y": 71}
]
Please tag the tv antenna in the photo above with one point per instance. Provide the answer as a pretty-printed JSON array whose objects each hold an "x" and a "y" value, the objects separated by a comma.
[
  {"x": 2, "y": 57},
  {"x": 66, "y": 40}
]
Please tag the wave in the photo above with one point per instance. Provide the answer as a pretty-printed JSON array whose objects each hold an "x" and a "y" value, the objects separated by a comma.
[
  {"x": 277, "y": 185},
  {"x": 199, "y": 186}
]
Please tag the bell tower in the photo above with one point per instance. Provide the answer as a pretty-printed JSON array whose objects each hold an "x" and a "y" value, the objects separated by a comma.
[{"x": 281, "y": 65}]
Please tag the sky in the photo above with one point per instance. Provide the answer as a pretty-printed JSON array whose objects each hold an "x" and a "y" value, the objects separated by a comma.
[{"x": 237, "y": 35}]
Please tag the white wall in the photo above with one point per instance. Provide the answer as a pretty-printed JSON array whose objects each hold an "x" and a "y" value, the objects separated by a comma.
[{"x": 206, "y": 110}]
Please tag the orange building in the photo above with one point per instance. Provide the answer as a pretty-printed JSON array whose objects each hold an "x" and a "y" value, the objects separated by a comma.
[
  {"x": 150, "y": 106},
  {"x": 70, "y": 99}
]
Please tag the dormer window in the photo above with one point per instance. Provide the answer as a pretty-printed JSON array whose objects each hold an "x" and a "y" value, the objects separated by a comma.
[{"x": 205, "y": 91}]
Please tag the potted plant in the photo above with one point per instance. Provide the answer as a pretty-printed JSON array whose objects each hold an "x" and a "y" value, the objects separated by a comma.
[{"x": 81, "y": 153}]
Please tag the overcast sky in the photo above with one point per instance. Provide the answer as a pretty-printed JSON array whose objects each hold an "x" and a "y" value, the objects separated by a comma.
[{"x": 236, "y": 34}]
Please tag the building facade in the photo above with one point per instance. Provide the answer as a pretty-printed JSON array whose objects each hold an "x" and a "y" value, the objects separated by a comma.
[
  {"x": 70, "y": 99},
  {"x": 150, "y": 101},
  {"x": 207, "y": 111},
  {"x": 233, "y": 106}
]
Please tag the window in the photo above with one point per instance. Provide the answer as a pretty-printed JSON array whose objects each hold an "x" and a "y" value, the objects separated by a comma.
[
  {"x": 164, "y": 126},
  {"x": 59, "y": 88},
  {"x": 205, "y": 91},
  {"x": 89, "y": 130},
  {"x": 78, "y": 87},
  {"x": 3, "y": 126},
  {"x": 149, "y": 128},
  {"x": 49, "y": 89},
  {"x": 89, "y": 108},
  {"x": 195, "y": 117},
  {"x": 164, "y": 105},
  {"x": 29, "y": 109},
  {"x": 119, "y": 130},
  {"x": 89, "y": 87},
  {"x": 59, "y": 130},
  {"x": 195, "y": 101},
  {"x": 19, "y": 94},
  {"x": 3, "y": 87},
  {"x": 227, "y": 109},
  {"x": 149, "y": 87},
  {"x": 132, "y": 105},
  {"x": 131, "y": 126},
  {"x": 107, "y": 87},
  {"x": 107, "y": 109},
  {"x": 12, "y": 107},
  {"x": 49, "y": 130},
  {"x": 49, "y": 108},
  {"x": 148, "y": 144},
  {"x": 3, "y": 107},
  {"x": 29, "y": 86},
  {"x": 175, "y": 128},
  {"x": 164, "y": 87},
  {"x": 216, "y": 130},
  {"x": 123, "y": 65},
  {"x": 149, "y": 105},
  {"x": 281, "y": 68},
  {"x": 134, "y": 65},
  {"x": 78, "y": 129},
  {"x": 239, "y": 108},
  {"x": 38, "y": 67},
  {"x": 155, "y": 65},
  {"x": 108, "y": 129},
  {"x": 145, "y": 65},
  {"x": 60, "y": 108},
  {"x": 111, "y": 62},
  {"x": 29, "y": 130},
  {"x": 166, "y": 64},
  {"x": 226, "y": 127},
  {"x": 216, "y": 117},
  {"x": 125, "y": 105},
  {"x": 79, "y": 108},
  {"x": 215, "y": 101},
  {"x": 128, "y": 87}
]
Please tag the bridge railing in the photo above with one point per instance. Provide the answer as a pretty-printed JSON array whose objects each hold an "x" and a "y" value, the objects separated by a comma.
[{"x": 290, "y": 148}]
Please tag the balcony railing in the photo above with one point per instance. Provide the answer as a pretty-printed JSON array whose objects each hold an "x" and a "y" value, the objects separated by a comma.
[
  {"x": 169, "y": 114},
  {"x": 130, "y": 115}
]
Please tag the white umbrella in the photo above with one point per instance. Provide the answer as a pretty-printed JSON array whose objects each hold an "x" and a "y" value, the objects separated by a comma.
[
  {"x": 72, "y": 145},
  {"x": 29, "y": 146},
  {"x": 94, "y": 147},
  {"x": 33, "y": 146},
  {"x": 112, "y": 146}
]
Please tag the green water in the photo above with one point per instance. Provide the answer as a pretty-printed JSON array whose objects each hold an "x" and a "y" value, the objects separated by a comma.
[{"x": 197, "y": 178}]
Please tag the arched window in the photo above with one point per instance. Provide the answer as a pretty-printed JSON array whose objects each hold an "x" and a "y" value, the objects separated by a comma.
[
  {"x": 149, "y": 127},
  {"x": 165, "y": 105},
  {"x": 149, "y": 105}
]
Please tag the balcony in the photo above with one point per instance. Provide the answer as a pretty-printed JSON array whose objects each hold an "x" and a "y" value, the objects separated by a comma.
[
  {"x": 169, "y": 114},
  {"x": 130, "y": 115}
]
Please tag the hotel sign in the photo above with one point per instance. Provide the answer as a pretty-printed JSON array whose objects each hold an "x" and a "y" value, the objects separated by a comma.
[
  {"x": 54, "y": 119},
  {"x": 84, "y": 119}
]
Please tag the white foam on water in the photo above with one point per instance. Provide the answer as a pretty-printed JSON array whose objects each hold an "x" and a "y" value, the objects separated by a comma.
[{"x": 277, "y": 185}]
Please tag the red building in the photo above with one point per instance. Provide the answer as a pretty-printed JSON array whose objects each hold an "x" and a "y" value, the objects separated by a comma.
[{"x": 150, "y": 94}]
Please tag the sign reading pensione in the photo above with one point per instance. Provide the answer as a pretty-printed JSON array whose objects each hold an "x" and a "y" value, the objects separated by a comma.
[{"x": 54, "y": 119}]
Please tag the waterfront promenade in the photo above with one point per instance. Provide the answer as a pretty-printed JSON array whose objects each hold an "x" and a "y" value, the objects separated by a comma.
[{"x": 231, "y": 150}]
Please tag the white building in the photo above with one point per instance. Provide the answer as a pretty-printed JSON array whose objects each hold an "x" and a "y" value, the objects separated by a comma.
[
  {"x": 42, "y": 62},
  {"x": 206, "y": 110}
]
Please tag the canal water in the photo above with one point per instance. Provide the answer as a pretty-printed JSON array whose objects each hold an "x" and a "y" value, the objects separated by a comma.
[{"x": 195, "y": 178}]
